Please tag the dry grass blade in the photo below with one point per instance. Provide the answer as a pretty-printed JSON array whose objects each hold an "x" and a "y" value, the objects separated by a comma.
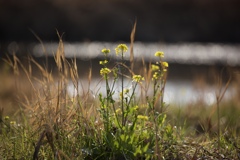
[
  {"x": 43, "y": 47},
  {"x": 89, "y": 77},
  {"x": 60, "y": 152},
  {"x": 44, "y": 72},
  {"x": 147, "y": 76},
  {"x": 132, "y": 37},
  {"x": 37, "y": 147},
  {"x": 60, "y": 58},
  {"x": 48, "y": 132},
  {"x": 15, "y": 63},
  {"x": 74, "y": 73}
]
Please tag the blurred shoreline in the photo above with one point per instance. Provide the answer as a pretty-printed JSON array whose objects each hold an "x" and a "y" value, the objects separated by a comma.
[{"x": 179, "y": 53}]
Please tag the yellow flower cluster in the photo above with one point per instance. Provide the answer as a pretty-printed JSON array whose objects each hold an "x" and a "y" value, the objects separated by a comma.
[
  {"x": 165, "y": 64},
  {"x": 159, "y": 67},
  {"x": 137, "y": 78},
  {"x": 121, "y": 48},
  {"x": 135, "y": 107},
  {"x": 156, "y": 76},
  {"x": 125, "y": 91},
  {"x": 6, "y": 118},
  {"x": 155, "y": 67},
  {"x": 105, "y": 51},
  {"x": 103, "y": 62},
  {"x": 103, "y": 106},
  {"x": 118, "y": 111},
  {"x": 159, "y": 54},
  {"x": 13, "y": 123},
  {"x": 145, "y": 118},
  {"x": 105, "y": 71}
]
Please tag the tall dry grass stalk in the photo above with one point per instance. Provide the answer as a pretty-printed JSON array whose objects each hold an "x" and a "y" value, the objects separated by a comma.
[{"x": 49, "y": 103}]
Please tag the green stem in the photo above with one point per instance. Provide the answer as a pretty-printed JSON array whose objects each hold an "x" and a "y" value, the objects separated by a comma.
[
  {"x": 218, "y": 122},
  {"x": 154, "y": 94},
  {"x": 121, "y": 70},
  {"x": 107, "y": 106},
  {"x": 155, "y": 89},
  {"x": 114, "y": 108},
  {"x": 131, "y": 97}
]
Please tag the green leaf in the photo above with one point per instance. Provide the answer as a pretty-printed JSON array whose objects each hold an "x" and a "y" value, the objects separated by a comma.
[{"x": 145, "y": 148}]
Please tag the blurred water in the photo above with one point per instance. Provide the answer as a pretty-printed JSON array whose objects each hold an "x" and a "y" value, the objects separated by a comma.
[
  {"x": 190, "y": 53},
  {"x": 178, "y": 93}
]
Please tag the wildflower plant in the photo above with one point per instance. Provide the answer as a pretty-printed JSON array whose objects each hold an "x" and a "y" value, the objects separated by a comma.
[
  {"x": 105, "y": 107},
  {"x": 159, "y": 70},
  {"x": 121, "y": 49},
  {"x": 156, "y": 104},
  {"x": 122, "y": 120}
]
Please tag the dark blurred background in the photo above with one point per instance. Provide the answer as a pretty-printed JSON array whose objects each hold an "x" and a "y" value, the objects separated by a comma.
[{"x": 167, "y": 21}]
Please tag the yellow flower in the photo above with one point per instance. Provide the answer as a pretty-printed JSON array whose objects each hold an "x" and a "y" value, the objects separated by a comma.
[
  {"x": 122, "y": 94},
  {"x": 145, "y": 118},
  {"x": 137, "y": 78},
  {"x": 159, "y": 54},
  {"x": 121, "y": 48},
  {"x": 13, "y": 122},
  {"x": 156, "y": 76},
  {"x": 135, "y": 107},
  {"x": 126, "y": 91},
  {"x": 103, "y": 106},
  {"x": 105, "y": 51},
  {"x": 6, "y": 118},
  {"x": 165, "y": 64},
  {"x": 105, "y": 71},
  {"x": 103, "y": 62},
  {"x": 155, "y": 67},
  {"x": 118, "y": 111}
]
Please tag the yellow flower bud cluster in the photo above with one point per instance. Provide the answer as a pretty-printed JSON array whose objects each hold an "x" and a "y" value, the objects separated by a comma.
[
  {"x": 118, "y": 111},
  {"x": 156, "y": 76},
  {"x": 145, "y": 118},
  {"x": 155, "y": 67},
  {"x": 105, "y": 51},
  {"x": 121, "y": 48},
  {"x": 104, "y": 71},
  {"x": 103, "y": 62},
  {"x": 137, "y": 78},
  {"x": 125, "y": 92},
  {"x": 160, "y": 67},
  {"x": 159, "y": 54},
  {"x": 164, "y": 66}
]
